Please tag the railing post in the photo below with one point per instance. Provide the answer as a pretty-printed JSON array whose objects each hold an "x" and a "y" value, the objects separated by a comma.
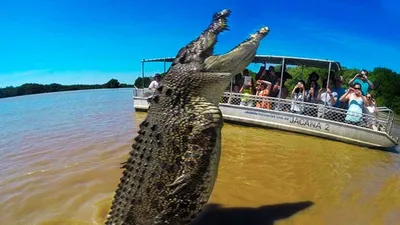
[
  {"x": 232, "y": 78},
  {"x": 143, "y": 74},
  {"x": 280, "y": 85},
  {"x": 327, "y": 82},
  {"x": 391, "y": 120}
]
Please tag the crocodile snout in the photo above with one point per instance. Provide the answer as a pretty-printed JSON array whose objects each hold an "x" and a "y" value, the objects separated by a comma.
[
  {"x": 225, "y": 12},
  {"x": 222, "y": 14},
  {"x": 264, "y": 30}
]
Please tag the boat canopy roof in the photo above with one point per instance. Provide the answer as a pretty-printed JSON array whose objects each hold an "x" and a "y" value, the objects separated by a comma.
[{"x": 272, "y": 59}]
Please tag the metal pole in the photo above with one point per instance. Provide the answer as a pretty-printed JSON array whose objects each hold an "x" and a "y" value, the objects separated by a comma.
[
  {"x": 327, "y": 82},
  {"x": 329, "y": 73},
  {"x": 282, "y": 70},
  {"x": 280, "y": 85},
  {"x": 232, "y": 78},
  {"x": 231, "y": 91},
  {"x": 143, "y": 74},
  {"x": 390, "y": 119}
]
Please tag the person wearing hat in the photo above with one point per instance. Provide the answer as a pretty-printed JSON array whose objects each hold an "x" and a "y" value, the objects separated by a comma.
[
  {"x": 312, "y": 82},
  {"x": 155, "y": 83},
  {"x": 313, "y": 77}
]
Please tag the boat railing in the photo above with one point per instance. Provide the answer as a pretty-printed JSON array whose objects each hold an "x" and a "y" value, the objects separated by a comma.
[
  {"x": 142, "y": 92},
  {"x": 380, "y": 122},
  {"x": 385, "y": 113}
]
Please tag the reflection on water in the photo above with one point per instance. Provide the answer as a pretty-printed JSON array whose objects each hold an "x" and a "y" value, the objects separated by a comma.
[{"x": 61, "y": 152}]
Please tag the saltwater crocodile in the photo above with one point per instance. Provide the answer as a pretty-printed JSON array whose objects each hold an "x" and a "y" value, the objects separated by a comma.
[{"x": 172, "y": 168}]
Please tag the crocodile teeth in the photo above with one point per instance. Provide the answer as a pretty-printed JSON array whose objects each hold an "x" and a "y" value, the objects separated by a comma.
[{"x": 264, "y": 30}]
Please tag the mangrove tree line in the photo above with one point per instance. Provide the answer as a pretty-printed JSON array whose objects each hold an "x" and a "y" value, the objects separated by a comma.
[{"x": 33, "y": 88}]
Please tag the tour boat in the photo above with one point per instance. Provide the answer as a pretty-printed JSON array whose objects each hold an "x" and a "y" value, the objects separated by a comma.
[{"x": 323, "y": 123}]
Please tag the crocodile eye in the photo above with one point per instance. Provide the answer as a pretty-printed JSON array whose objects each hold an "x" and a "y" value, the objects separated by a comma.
[
  {"x": 156, "y": 99},
  {"x": 169, "y": 92},
  {"x": 160, "y": 88},
  {"x": 182, "y": 59}
]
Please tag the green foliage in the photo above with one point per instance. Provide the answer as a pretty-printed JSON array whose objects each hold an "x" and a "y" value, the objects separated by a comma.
[
  {"x": 33, "y": 88},
  {"x": 8, "y": 92},
  {"x": 387, "y": 87},
  {"x": 113, "y": 83},
  {"x": 123, "y": 85},
  {"x": 142, "y": 82}
]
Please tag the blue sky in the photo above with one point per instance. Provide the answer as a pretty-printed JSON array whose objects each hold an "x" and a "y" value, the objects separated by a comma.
[{"x": 87, "y": 42}]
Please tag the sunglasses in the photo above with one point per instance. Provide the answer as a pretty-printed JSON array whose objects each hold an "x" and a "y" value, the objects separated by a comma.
[{"x": 356, "y": 88}]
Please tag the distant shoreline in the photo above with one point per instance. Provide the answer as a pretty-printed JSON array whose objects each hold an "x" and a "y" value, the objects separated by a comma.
[
  {"x": 34, "y": 88},
  {"x": 89, "y": 89}
]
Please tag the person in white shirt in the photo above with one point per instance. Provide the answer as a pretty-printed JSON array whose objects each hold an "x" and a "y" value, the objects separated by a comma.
[
  {"x": 372, "y": 110},
  {"x": 326, "y": 97},
  {"x": 155, "y": 83},
  {"x": 298, "y": 95}
]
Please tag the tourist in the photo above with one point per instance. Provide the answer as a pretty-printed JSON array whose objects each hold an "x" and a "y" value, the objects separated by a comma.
[
  {"x": 270, "y": 75},
  {"x": 282, "y": 92},
  {"x": 246, "y": 91},
  {"x": 263, "y": 88},
  {"x": 311, "y": 96},
  {"x": 356, "y": 102},
  {"x": 362, "y": 79},
  {"x": 155, "y": 83},
  {"x": 237, "y": 82},
  {"x": 312, "y": 92},
  {"x": 337, "y": 87},
  {"x": 313, "y": 78},
  {"x": 338, "y": 81},
  {"x": 298, "y": 96},
  {"x": 267, "y": 75},
  {"x": 371, "y": 112},
  {"x": 260, "y": 72},
  {"x": 326, "y": 97}
]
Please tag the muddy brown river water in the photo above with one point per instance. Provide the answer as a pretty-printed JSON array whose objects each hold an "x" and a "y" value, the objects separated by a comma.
[{"x": 61, "y": 152}]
